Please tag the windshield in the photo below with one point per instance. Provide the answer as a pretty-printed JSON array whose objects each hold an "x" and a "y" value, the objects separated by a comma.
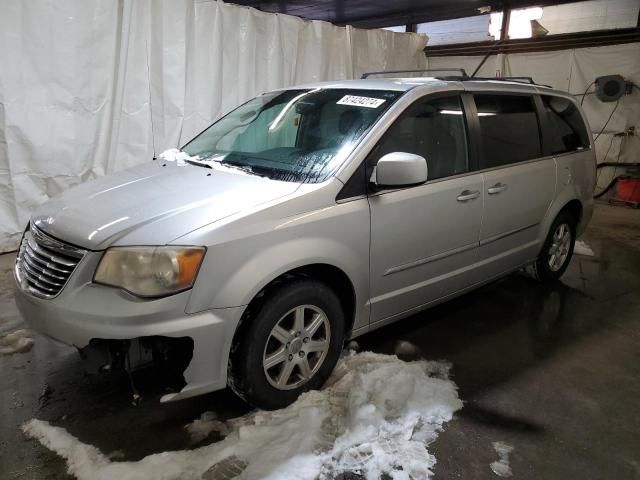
[{"x": 292, "y": 135}]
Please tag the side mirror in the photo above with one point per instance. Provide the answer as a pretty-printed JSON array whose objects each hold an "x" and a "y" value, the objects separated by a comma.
[{"x": 400, "y": 169}]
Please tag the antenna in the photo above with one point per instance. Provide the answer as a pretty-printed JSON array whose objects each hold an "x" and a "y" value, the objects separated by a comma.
[{"x": 153, "y": 138}]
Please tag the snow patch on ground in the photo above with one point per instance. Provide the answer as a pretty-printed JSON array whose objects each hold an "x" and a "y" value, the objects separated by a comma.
[
  {"x": 502, "y": 467},
  {"x": 352, "y": 346},
  {"x": 407, "y": 349},
  {"x": 19, "y": 341},
  {"x": 376, "y": 415},
  {"x": 581, "y": 248},
  {"x": 206, "y": 425}
]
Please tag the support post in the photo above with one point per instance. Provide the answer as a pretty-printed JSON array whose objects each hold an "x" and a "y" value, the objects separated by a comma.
[{"x": 506, "y": 16}]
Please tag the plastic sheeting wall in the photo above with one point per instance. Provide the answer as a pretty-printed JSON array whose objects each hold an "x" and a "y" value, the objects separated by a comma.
[
  {"x": 91, "y": 86},
  {"x": 573, "y": 71}
]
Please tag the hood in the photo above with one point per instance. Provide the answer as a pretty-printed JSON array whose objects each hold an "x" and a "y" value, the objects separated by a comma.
[{"x": 152, "y": 204}]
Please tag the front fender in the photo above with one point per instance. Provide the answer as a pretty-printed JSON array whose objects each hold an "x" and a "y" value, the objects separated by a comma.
[
  {"x": 265, "y": 266},
  {"x": 258, "y": 250}
]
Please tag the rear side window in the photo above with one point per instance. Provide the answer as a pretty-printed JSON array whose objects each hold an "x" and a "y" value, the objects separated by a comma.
[
  {"x": 435, "y": 129},
  {"x": 509, "y": 129},
  {"x": 567, "y": 131}
]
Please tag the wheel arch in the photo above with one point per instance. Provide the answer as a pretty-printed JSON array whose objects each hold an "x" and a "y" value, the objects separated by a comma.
[
  {"x": 571, "y": 204},
  {"x": 333, "y": 277},
  {"x": 574, "y": 207}
]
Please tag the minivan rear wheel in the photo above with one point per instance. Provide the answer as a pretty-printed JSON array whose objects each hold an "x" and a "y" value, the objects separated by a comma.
[
  {"x": 288, "y": 346},
  {"x": 556, "y": 253}
]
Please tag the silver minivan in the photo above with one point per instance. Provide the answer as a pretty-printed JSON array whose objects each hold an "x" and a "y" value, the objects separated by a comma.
[{"x": 305, "y": 217}]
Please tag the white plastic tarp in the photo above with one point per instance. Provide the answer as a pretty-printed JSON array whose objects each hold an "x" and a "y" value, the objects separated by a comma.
[
  {"x": 574, "y": 71},
  {"x": 91, "y": 86}
]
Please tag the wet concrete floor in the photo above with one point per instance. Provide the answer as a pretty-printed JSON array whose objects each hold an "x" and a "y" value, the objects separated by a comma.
[{"x": 552, "y": 371}]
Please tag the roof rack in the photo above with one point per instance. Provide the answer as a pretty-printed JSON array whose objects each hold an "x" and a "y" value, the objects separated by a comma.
[
  {"x": 461, "y": 71},
  {"x": 527, "y": 80},
  {"x": 506, "y": 79},
  {"x": 462, "y": 76}
]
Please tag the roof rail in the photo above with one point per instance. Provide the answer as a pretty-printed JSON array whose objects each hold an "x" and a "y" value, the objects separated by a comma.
[
  {"x": 461, "y": 71},
  {"x": 462, "y": 74},
  {"x": 528, "y": 80},
  {"x": 506, "y": 79}
]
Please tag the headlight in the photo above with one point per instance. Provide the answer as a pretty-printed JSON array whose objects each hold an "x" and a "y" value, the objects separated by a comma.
[{"x": 150, "y": 271}]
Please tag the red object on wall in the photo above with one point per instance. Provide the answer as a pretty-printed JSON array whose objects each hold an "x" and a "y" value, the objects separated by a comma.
[{"x": 628, "y": 190}]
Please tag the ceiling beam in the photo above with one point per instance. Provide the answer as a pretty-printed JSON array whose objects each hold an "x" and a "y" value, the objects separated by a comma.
[{"x": 549, "y": 43}]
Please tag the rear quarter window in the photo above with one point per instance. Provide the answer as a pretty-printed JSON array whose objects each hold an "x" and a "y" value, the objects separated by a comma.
[{"x": 566, "y": 129}]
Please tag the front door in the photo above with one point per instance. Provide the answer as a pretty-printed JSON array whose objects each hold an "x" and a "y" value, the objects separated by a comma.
[{"x": 424, "y": 239}]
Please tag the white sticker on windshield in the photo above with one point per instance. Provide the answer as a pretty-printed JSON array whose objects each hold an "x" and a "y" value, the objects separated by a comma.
[{"x": 356, "y": 101}]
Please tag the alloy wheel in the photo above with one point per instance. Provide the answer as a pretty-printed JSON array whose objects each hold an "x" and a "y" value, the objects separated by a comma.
[
  {"x": 296, "y": 347},
  {"x": 560, "y": 246}
]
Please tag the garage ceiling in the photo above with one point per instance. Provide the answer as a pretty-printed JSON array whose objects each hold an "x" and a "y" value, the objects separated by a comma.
[{"x": 384, "y": 13}]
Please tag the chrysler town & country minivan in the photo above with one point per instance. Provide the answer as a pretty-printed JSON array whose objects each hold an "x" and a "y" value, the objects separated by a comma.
[{"x": 305, "y": 217}]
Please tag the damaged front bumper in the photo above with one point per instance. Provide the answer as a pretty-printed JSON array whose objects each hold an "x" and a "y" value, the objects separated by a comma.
[
  {"x": 169, "y": 355},
  {"x": 86, "y": 315}
]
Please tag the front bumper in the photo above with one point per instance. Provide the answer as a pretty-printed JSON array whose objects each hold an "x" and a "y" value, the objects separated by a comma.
[{"x": 84, "y": 311}]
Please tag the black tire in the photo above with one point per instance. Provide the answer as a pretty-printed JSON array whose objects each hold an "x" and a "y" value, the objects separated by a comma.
[
  {"x": 248, "y": 376},
  {"x": 541, "y": 269}
]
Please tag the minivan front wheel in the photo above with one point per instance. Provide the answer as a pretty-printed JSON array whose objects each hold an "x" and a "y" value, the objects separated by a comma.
[
  {"x": 557, "y": 250},
  {"x": 288, "y": 346},
  {"x": 297, "y": 347}
]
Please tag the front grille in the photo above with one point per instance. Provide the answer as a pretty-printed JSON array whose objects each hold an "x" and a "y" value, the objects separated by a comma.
[{"x": 44, "y": 264}]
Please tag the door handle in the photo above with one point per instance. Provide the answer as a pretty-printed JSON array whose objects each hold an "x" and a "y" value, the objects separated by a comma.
[
  {"x": 467, "y": 195},
  {"x": 497, "y": 188}
]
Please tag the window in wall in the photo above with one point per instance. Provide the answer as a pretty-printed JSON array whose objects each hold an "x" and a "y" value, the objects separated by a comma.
[
  {"x": 566, "y": 127},
  {"x": 568, "y": 18},
  {"x": 535, "y": 22},
  {"x": 521, "y": 23},
  {"x": 434, "y": 129},
  {"x": 591, "y": 15},
  {"x": 509, "y": 129},
  {"x": 460, "y": 30},
  {"x": 495, "y": 25},
  {"x": 397, "y": 28}
]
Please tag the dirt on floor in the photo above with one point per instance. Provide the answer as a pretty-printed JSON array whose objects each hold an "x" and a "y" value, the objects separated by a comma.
[
  {"x": 549, "y": 376},
  {"x": 617, "y": 223}
]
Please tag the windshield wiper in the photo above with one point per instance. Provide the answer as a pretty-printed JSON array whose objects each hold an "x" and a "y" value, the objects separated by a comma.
[
  {"x": 208, "y": 163},
  {"x": 242, "y": 168},
  {"x": 198, "y": 163},
  {"x": 270, "y": 172}
]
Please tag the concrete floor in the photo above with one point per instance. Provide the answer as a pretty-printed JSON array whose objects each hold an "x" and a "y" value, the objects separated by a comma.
[{"x": 552, "y": 371}]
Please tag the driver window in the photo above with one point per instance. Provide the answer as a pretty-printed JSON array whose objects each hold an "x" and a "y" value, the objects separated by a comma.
[{"x": 434, "y": 129}]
